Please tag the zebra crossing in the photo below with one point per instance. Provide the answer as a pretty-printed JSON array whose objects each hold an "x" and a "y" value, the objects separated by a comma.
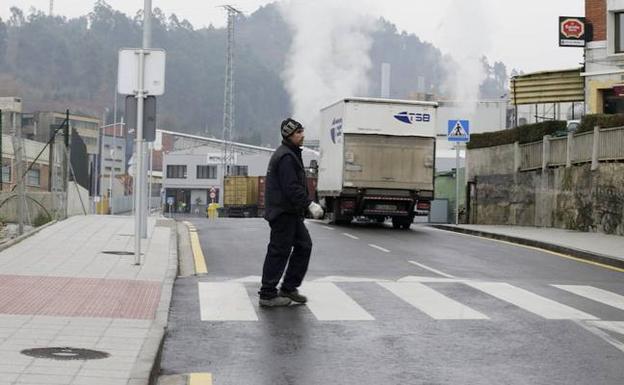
[{"x": 327, "y": 301}]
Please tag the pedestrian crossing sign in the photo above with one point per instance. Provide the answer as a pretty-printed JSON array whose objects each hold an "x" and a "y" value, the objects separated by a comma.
[{"x": 458, "y": 130}]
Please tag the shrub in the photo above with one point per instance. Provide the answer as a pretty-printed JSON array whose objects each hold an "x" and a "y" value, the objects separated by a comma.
[
  {"x": 41, "y": 219},
  {"x": 523, "y": 134},
  {"x": 601, "y": 120}
]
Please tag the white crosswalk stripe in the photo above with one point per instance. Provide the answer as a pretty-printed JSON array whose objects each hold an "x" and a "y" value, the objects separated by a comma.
[
  {"x": 595, "y": 294},
  {"x": 531, "y": 302},
  {"x": 329, "y": 303},
  {"x": 431, "y": 302},
  {"x": 231, "y": 300},
  {"x": 225, "y": 301}
]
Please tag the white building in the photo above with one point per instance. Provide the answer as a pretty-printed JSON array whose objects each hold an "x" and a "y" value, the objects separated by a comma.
[
  {"x": 483, "y": 115},
  {"x": 192, "y": 167}
]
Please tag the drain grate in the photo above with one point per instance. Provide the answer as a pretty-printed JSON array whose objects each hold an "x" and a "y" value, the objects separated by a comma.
[
  {"x": 65, "y": 353},
  {"x": 118, "y": 252}
]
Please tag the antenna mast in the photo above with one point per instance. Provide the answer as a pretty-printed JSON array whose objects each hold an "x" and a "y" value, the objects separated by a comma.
[{"x": 228, "y": 99}]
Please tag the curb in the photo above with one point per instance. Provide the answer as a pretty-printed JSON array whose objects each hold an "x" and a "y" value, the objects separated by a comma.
[
  {"x": 581, "y": 254},
  {"x": 147, "y": 365},
  {"x": 17, "y": 240}
]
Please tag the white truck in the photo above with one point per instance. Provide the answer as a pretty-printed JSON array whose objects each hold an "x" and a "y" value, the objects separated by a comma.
[{"x": 377, "y": 160}]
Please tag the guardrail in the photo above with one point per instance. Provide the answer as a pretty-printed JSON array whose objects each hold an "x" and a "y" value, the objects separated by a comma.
[{"x": 601, "y": 145}]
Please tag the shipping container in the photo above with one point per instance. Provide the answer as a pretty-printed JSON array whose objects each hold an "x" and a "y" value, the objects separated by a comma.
[{"x": 240, "y": 196}]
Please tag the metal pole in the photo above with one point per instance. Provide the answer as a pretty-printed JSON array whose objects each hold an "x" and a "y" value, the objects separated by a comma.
[
  {"x": 147, "y": 43},
  {"x": 17, "y": 148},
  {"x": 138, "y": 180},
  {"x": 66, "y": 161},
  {"x": 149, "y": 188},
  {"x": 456, "y": 183},
  {"x": 110, "y": 197},
  {"x": 1, "y": 160}
]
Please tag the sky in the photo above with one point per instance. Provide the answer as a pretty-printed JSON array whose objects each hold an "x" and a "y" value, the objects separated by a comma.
[{"x": 522, "y": 34}]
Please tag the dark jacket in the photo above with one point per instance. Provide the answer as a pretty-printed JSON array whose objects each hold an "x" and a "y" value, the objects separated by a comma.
[{"x": 286, "y": 190}]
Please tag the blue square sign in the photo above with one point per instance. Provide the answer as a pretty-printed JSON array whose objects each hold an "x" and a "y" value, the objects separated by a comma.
[{"x": 458, "y": 131}]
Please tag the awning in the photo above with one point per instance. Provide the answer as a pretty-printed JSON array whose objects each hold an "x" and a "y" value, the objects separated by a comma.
[{"x": 548, "y": 87}]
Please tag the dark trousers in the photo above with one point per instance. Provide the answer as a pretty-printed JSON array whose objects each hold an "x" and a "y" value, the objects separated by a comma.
[{"x": 290, "y": 245}]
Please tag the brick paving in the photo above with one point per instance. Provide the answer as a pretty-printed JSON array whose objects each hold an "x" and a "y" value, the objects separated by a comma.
[
  {"x": 58, "y": 289},
  {"x": 78, "y": 297}
]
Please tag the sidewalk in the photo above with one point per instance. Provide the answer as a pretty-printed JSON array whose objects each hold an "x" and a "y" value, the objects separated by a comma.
[
  {"x": 58, "y": 289},
  {"x": 596, "y": 247}
]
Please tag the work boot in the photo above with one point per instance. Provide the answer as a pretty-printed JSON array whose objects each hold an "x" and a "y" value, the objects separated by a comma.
[
  {"x": 293, "y": 295},
  {"x": 275, "y": 301}
]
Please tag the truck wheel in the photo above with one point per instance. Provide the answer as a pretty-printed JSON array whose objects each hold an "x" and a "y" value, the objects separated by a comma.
[
  {"x": 396, "y": 223},
  {"x": 406, "y": 225}
]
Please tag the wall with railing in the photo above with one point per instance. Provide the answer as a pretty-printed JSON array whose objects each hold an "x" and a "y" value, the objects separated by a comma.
[
  {"x": 574, "y": 182},
  {"x": 601, "y": 145}
]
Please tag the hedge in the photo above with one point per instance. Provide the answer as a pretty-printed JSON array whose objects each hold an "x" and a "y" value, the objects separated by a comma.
[
  {"x": 535, "y": 132},
  {"x": 601, "y": 120},
  {"x": 523, "y": 134}
]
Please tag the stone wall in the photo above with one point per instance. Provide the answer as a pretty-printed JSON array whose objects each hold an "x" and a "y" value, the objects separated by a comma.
[{"x": 574, "y": 198}]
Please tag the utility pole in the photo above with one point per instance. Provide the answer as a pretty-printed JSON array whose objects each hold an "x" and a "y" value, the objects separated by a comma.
[
  {"x": 19, "y": 172},
  {"x": 51, "y": 13},
  {"x": 228, "y": 99},
  {"x": 139, "y": 179},
  {"x": 66, "y": 165}
]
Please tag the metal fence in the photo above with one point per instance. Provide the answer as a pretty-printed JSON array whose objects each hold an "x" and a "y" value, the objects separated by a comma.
[
  {"x": 531, "y": 155},
  {"x": 588, "y": 147}
]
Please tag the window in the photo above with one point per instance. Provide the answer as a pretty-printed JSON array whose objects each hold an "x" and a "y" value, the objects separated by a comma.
[
  {"x": 206, "y": 172},
  {"x": 239, "y": 171},
  {"x": 33, "y": 178},
  {"x": 6, "y": 173},
  {"x": 619, "y": 32},
  {"x": 176, "y": 171}
]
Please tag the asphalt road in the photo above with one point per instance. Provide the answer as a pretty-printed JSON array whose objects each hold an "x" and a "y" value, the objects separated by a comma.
[{"x": 387, "y": 306}]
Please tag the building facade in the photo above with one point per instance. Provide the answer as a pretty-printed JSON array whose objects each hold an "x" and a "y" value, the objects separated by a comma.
[
  {"x": 37, "y": 177},
  {"x": 192, "y": 167},
  {"x": 604, "y": 57}
]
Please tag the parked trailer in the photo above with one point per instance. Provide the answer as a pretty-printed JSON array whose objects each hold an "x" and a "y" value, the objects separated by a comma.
[
  {"x": 240, "y": 196},
  {"x": 377, "y": 160}
]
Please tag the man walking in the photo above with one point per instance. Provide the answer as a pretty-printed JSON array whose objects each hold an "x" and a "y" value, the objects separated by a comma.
[{"x": 286, "y": 200}]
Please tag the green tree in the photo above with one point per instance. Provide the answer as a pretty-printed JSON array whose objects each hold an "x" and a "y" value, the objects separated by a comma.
[{"x": 4, "y": 35}]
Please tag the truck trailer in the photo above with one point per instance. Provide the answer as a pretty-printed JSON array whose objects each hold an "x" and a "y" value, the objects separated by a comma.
[{"x": 377, "y": 160}]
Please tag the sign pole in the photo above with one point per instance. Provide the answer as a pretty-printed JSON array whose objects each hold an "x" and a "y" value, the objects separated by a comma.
[
  {"x": 456, "y": 183},
  {"x": 140, "y": 147},
  {"x": 458, "y": 132}
]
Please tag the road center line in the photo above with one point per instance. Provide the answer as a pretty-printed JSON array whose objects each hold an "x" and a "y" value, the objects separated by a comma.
[
  {"x": 350, "y": 236},
  {"x": 328, "y": 228},
  {"x": 431, "y": 269},
  {"x": 379, "y": 248}
]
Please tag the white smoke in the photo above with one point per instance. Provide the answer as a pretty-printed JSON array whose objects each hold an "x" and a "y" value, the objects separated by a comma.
[
  {"x": 465, "y": 36},
  {"x": 329, "y": 56}
]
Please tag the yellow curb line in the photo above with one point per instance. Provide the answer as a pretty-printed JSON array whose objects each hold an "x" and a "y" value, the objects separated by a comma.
[
  {"x": 546, "y": 251},
  {"x": 198, "y": 254},
  {"x": 200, "y": 379}
]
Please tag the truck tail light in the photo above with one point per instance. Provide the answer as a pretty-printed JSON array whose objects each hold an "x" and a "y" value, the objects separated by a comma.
[
  {"x": 347, "y": 204},
  {"x": 423, "y": 205}
]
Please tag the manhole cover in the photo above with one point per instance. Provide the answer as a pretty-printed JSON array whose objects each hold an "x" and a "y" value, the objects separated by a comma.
[
  {"x": 118, "y": 252},
  {"x": 65, "y": 354}
]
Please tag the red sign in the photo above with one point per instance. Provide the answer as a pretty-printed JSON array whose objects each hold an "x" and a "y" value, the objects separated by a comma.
[
  {"x": 618, "y": 89},
  {"x": 572, "y": 28},
  {"x": 572, "y": 31}
]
